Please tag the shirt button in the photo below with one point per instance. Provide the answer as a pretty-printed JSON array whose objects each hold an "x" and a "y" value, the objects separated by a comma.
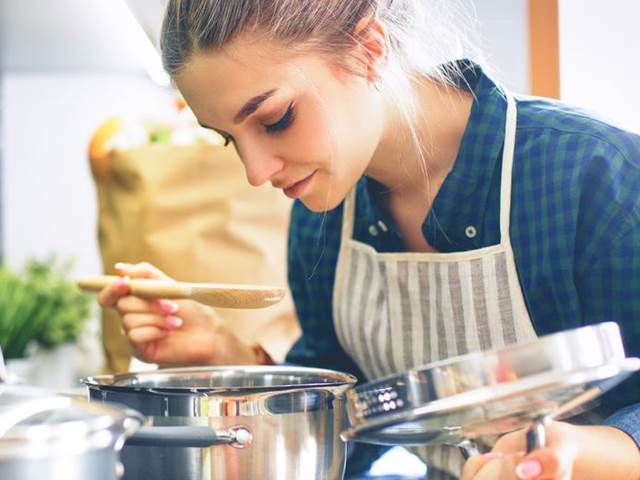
[
  {"x": 470, "y": 231},
  {"x": 382, "y": 226},
  {"x": 373, "y": 231}
]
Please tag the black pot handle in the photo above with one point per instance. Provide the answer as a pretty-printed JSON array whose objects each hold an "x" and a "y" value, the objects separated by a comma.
[
  {"x": 535, "y": 436},
  {"x": 194, "y": 437}
]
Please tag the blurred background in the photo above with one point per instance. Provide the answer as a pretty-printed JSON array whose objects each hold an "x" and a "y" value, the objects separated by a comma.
[
  {"x": 70, "y": 65},
  {"x": 76, "y": 73}
]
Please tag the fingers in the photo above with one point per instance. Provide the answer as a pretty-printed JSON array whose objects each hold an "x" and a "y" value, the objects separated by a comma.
[
  {"x": 543, "y": 464},
  {"x": 144, "y": 335},
  {"x": 132, "y": 304},
  {"x": 548, "y": 463},
  {"x": 493, "y": 465},
  {"x": 509, "y": 461},
  {"x": 112, "y": 294},
  {"x": 514, "y": 442},
  {"x": 508, "y": 450},
  {"x": 134, "y": 321},
  {"x": 109, "y": 296},
  {"x": 145, "y": 321},
  {"x": 140, "y": 270},
  {"x": 142, "y": 328},
  {"x": 474, "y": 464},
  {"x": 553, "y": 462}
]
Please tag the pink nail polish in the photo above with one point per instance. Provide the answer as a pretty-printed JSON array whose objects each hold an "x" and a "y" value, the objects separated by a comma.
[
  {"x": 529, "y": 470},
  {"x": 173, "y": 321},
  {"x": 167, "y": 306},
  {"x": 123, "y": 283}
]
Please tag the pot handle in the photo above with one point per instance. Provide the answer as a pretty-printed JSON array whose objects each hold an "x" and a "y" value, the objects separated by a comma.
[
  {"x": 535, "y": 436},
  {"x": 194, "y": 437}
]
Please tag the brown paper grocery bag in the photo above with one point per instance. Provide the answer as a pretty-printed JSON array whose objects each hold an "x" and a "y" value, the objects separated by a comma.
[{"x": 190, "y": 211}]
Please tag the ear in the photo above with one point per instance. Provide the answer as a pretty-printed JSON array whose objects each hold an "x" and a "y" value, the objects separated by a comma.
[{"x": 373, "y": 41}]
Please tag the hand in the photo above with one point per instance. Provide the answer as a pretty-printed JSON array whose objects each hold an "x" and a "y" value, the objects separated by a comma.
[
  {"x": 172, "y": 332},
  {"x": 571, "y": 453}
]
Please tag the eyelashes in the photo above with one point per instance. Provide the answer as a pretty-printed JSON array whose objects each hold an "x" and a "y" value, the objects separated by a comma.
[
  {"x": 272, "y": 128},
  {"x": 283, "y": 123}
]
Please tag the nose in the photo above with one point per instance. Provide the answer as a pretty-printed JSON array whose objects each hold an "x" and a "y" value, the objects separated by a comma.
[{"x": 260, "y": 166}]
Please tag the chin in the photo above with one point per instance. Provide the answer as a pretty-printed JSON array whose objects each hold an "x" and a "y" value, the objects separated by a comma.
[{"x": 321, "y": 204}]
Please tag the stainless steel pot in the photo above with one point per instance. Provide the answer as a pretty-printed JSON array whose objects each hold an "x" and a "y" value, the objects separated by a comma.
[
  {"x": 55, "y": 437},
  {"x": 271, "y": 422},
  {"x": 461, "y": 399}
]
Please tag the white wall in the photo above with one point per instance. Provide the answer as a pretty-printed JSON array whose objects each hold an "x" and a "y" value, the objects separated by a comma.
[
  {"x": 49, "y": 203},
  {"x": 504, "y": 30},
  {"x": 599, "y": 51}
]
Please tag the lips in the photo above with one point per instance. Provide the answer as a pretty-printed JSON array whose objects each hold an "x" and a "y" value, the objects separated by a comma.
[{"x": 296, "y": 189}]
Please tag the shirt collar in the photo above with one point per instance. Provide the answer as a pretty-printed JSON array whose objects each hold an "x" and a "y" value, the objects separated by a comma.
[
  {"x": 464, "y": 195},
  {"x": 462, "y": 198}
]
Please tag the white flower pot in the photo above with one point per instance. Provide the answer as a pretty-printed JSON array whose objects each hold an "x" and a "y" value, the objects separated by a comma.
[{"x": 54, "y": 368}]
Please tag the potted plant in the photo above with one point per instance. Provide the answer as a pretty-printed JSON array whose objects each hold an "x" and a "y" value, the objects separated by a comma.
[{"x": 41, "y": 311}]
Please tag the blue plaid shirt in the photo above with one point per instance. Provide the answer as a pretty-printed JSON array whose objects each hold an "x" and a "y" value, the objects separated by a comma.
[{"x": 575, "y": 227}]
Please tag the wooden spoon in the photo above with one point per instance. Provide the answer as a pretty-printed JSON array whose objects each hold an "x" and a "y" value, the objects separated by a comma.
[{"x": 214, "y": 294}]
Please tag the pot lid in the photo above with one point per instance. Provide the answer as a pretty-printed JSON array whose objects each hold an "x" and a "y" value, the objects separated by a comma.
[
  {"x": 225, "y": 378},
  {"x": 492, "y": 392},
  {"x": 36, "y": 422}
]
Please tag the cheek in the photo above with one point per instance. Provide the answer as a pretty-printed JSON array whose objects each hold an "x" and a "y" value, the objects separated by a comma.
[
  {"x": 338, "y": 136},
  {"x": 364, "y": 118},
  {"x": 311, "y": 138}
]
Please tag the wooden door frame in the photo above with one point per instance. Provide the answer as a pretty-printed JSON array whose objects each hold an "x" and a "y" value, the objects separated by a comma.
[{"x": 544, "y": 57}]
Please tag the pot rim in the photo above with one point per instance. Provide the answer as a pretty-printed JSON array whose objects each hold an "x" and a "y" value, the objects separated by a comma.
[{"x": 128, "y": 381}]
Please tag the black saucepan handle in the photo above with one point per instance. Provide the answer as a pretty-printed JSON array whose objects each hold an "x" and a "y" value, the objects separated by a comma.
[{"x": 536, "y": 436}]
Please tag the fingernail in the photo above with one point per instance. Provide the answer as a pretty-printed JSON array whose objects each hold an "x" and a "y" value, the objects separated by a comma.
[
  {"x": 120, "y": 265},
  {"x": 493, "y": 455},
  {"x": 167, "y": 306},
  {"x": 173, "y": 321},
  {"x": 528, "y": 470},
  {"x": 123, "y": 282}
]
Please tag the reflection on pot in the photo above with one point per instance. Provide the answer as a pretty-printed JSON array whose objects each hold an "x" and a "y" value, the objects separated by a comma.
[{"x": 292, "y": 416}]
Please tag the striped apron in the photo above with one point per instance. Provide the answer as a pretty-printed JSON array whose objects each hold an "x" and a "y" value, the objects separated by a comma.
[{"x": 394, "y": 311}]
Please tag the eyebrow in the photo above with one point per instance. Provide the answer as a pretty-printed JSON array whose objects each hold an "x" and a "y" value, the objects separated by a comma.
[
  {"x": 249, "y": 107},
  {"x": 252, "y": 105}
]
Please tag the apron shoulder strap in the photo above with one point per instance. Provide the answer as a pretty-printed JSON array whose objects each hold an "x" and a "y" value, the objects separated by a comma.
[
  {"x": 348, "y": 213},
  {"x": 507, "y": 167}
]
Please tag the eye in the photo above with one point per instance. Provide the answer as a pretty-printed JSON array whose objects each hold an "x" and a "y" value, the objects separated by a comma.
[{"x": 283, "y": 123}]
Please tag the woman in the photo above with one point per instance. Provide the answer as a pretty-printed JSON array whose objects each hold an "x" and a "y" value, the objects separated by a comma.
[{"x": 435, "y": 213}]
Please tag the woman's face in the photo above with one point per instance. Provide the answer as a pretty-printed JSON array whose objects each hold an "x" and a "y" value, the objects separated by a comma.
[{"x": 300, "y": 123}]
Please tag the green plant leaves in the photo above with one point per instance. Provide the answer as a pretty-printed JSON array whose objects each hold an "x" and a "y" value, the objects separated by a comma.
[{"x": 39, "y": 304}]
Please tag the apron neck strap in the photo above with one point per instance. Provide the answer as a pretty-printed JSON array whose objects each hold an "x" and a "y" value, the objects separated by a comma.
[
  {"x": 507, "y": 167},
  {"x": 348, "y": 212},
  {"x": 508, "y": 148}
]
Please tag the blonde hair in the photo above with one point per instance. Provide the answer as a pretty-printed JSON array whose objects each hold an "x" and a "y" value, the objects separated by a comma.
[{"x": 422, "y": 36}]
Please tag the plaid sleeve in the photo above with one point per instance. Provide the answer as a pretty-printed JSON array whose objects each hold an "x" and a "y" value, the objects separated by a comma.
[
  {"x": 611, "y": 291},
  {"x": 607, "y": 273},
  {"x": 627, "y": 420}
]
